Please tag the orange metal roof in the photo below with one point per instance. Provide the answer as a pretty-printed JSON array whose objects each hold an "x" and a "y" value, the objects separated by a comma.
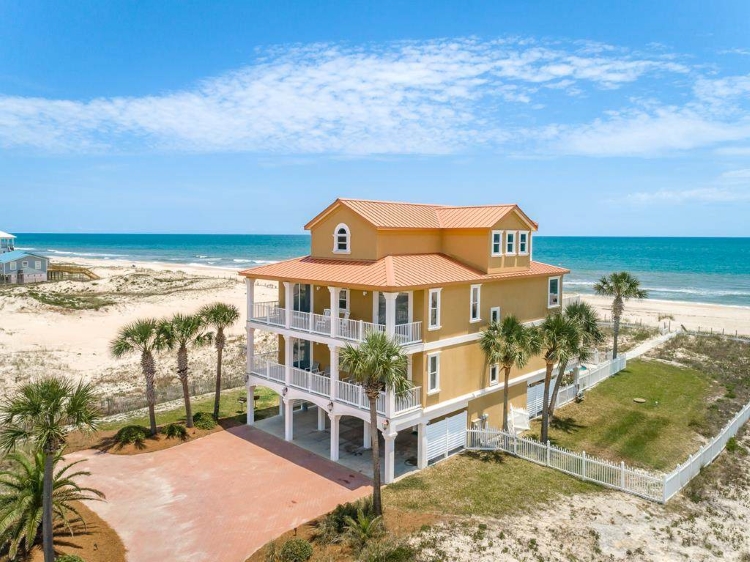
[
  {"x": 414, "y": 271},
  {"x": 386, "y": 214}
]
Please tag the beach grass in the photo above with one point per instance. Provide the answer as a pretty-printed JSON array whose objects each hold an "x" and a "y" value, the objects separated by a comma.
[{"x": 658, "y": 434}]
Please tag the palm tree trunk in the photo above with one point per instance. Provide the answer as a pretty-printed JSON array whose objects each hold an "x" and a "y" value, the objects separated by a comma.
[
  {"x": 617, "y": 308},
  {"x": 219, "y": 353},
  {"x": 149, "y": 372},
  {"x": 558, "y": 381},
  {"x": 505, "y": 398},
  {"x": 545, "y": 411},
  {"x": 377, "y": 504},
  {"x": 182, "y": 372},
  {"x": 47, "y": 534}
]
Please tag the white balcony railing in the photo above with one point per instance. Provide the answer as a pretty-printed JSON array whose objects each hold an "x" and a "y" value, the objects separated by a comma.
[
  {"x": 348, "y": 329},
  {"x": 266, "y": 367}
]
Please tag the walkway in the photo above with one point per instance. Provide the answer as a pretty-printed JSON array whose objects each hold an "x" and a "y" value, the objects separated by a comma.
[{"x": 216, "y": 499}]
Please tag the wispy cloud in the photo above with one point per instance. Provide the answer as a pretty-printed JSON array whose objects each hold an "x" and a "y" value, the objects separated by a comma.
[
  {"x": 702, "y": 195},
  {"x": 408, "y": 97}
]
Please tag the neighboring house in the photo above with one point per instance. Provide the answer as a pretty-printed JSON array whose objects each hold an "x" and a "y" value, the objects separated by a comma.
[
  {"x": 432, "y": 277},
  {"x": 7, "y": 243},
  {"x": 22, "y": 267}
]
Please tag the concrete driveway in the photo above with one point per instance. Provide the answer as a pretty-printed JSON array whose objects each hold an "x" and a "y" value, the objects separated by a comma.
[{"x": 216, "y": 499}]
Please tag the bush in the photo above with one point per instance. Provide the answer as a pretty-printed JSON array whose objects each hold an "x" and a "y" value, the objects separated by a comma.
[
  {"x": 332, "y": 526},
  {"x": 204, "y": 420},
  {"x": 176, "y": 430},
  {"x": 69, "y": 558},
  {"x": 363, "y": 529},
  {"x": 132, "y": 434},
  {"x": 388, "y": 551},
  {"x": 295, "y": 550}
]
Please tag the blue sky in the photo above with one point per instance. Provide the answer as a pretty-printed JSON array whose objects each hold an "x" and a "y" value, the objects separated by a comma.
[{"x": 251, "y": 117}]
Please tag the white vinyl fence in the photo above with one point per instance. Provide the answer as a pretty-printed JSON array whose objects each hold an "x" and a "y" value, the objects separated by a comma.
[
  {"x": 446, "y": 436},
  {"x": 634, "y": 481}
]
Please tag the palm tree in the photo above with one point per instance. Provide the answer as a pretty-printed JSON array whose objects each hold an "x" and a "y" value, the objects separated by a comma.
[
  {"x": 378, "y": 364},
  {"x": 183, "y": 331},
  {"x": 142, "y": 336},
  {"x": 22, "y": 498},
  {"x": 41, "y": 414},
  {"x": 585, "y": 318},
  {"x": 557, "y": 339},
  {"x": 622, "y": 286},
  {"x": 506, "y": 343},
  {"x": 219, "y": 316}
]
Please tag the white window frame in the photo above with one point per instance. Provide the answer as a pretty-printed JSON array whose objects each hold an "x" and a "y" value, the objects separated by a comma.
[
  {"x": 549, "y": 292},
  {"x": 37, "y": 264},
  {"x": 478, "y": 318},
  {"x": 436, "y": 356},
  {"x": 511, "y": 241},
  {"x": 336, "y": 235},
  {"x": 344, "y": 296},
  {"x": 430, "y": 325},
  {"x": 521, "y": 234},
  {"x": 13, "y": 266},
  {"x": 499, "y": 234},
  {"x": 493, "y": 310},
  {"x": 25, "y": 263},
  {"x": 496, "y": 369}
]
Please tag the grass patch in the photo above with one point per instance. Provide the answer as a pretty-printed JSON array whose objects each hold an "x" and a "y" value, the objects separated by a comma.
[
  {"x": 71, "y": 301},
  {"x": 657, "y": 434},
  {"x": 483, "y": 484}
]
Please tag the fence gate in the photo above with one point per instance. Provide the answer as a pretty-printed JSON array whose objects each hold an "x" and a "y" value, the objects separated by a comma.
[{"x": 446, "y": 436}]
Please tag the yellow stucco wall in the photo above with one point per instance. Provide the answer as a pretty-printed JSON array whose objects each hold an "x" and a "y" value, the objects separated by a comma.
[
  {"x": 363, "y": 236},
  {"x": 398, "y": 242}
]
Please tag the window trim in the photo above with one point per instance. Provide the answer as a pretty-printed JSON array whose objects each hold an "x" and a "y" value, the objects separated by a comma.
[
  {"x": 493, "y": 310},
  {"x": 549, "y": 291},
  {"x": 493, "y": 253},
  {"x": 25, "y": 263},
  {"x": 430, "y": 326},
  {"x": 478, "y": 287},
  {"x": 520, "y": 234},
  {"x": 13, "y": 266},
  {"x": 508, "y": 234},
  {"x": 336, "y": 235},
  {"x": 496, "y": 368},
  {"x": 346, "y": 294},
  {"x": 430, "y": 356}
]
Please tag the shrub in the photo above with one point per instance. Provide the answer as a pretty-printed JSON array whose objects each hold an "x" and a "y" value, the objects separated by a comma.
[
  {"x": 176, "y": 430},
  {"x": 333, "y": 525},
  {"x": 132, "y": 434},
  {"x": 204, "y": 420},
  {"x": 69, "y": 558},
  {"x": 732, "y": 445},
  {"x": 388, "y": 551},
  {"x": 295, "y": 550},
  {"x": 363, "y": 529}
]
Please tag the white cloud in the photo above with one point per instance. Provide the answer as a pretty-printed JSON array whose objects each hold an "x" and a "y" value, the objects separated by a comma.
[
  {"x": 701, "y": 195},
  {"x": 410, "y": 97}
]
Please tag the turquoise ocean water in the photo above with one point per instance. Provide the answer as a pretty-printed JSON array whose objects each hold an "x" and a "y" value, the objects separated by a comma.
[{"x": 714, "y": 270}]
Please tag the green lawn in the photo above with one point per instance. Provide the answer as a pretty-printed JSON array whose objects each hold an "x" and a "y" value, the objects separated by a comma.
[
  {"x": 481, "y": 483},
  {"x": 658, "y": 434},
  {"x": 229, "y": 408}
]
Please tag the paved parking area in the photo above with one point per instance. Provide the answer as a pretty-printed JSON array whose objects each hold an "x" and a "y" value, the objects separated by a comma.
[{"x": 216, "y": 499}]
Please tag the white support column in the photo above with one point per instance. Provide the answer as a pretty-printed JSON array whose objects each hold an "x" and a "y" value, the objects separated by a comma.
[
  {"x": 281, "y": 406},
  {"x": 334, "y": 436},
  {"x": 334, "y": 310},
  {"x": 288, "y": 360},
  {"x": 334, "y": 371},
  {"x": 311, "y": 318},
  {"x": 366, "y": 436},
  {"x": 321, "y": 419},
  {"x": 288, "y": 303},
  {"x": 389, "y": 459},
  {"x": 410, "y": 367},
  {"x": 251, "y": 405},
  {"x": 288, "y": 419},
  {"x": 250, "y": 284},
  {"x": 250, "y": 349},
  {"x": 422, "y": 446},
  {"x": 390, "y": 313}
]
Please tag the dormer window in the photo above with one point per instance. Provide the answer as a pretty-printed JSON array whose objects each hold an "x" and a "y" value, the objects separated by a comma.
[{"x": 341, "y": 240}]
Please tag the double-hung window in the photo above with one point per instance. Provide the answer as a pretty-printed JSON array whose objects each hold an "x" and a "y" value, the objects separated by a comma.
[
  {"x": 343, "y": 299},
  {"x": 475, "y": 303},
  {"x": 495, "y": 314},
  {"x": 497, "y": 243},
  {"x": 434, "y": 319},
  {"x": 13, "y": 266},
  {"x": 37, "y": 264},
  {"x": 494, "y": 374},
  {"x": 341, "y": 239},
  {"x": 553, "y": 294},
  {"x": 433, "y": 372},
  {"x": 510, "y": 243},
  {"x": 523, "y": 243}
]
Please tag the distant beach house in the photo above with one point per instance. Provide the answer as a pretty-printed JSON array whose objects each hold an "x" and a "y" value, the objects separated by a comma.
[
  {"x": 430, "y": 276},
  {"x": 17, "y": 266}
]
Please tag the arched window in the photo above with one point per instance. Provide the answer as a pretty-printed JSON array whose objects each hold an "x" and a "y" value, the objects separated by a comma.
[{"x": 341, "y": 239}]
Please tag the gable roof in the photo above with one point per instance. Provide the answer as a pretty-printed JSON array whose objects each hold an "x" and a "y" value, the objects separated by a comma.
[
  {"x": 8, "y": 257},
  {"x": 5, "y": 235},
  {"x": 392, "y": 215},
  {"x": 413, "y": 271}
]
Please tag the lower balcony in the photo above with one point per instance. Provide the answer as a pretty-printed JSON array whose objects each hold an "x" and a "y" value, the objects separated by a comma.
[{"x": 344, "y": 392}]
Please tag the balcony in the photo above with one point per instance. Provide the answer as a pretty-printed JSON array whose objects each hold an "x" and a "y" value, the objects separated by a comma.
[
  {"x": 265, "y": 367},
  {"x": 271, "y": 314}
]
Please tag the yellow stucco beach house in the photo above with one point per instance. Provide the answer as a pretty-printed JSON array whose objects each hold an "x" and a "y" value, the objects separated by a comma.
[{"x": 432, "y": 277}]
